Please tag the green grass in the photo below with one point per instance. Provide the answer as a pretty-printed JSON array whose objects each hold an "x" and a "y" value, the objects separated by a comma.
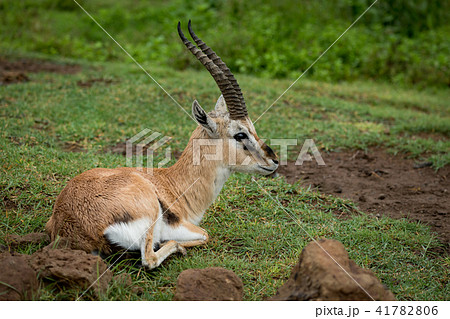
[
  {"x": 250, "y": 233},
  {"x": 404, "y": 42}
]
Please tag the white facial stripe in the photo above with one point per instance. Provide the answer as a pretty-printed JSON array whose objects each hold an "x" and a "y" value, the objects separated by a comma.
[{"x": 250, "y": 125}]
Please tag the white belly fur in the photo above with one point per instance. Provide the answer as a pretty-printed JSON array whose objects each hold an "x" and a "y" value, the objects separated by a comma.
[
  {"x": 129, "y": 235},
  {"x": 132, "y": 235}
]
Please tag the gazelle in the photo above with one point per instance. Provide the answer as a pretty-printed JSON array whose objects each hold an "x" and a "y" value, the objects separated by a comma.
[{"x": 127, "y": 207}]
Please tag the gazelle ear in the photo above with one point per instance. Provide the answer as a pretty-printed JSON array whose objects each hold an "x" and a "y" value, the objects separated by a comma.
[
  {"x": 221, "y": 106},
  {"x": 204, "y": 119}
]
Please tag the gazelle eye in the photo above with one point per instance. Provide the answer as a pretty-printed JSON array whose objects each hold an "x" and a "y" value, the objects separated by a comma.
[{"x": 240, "y": 136}]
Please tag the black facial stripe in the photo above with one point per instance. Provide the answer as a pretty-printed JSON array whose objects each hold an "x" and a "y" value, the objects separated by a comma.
[{"x": 249, "y": 147}]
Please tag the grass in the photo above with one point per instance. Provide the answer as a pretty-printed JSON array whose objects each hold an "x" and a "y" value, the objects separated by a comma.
[
  {"x": 404, "y": 42},
  {"x": 250, "y": 233}
]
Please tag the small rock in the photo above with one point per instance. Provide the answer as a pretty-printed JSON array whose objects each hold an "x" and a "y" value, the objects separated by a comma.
[
  {"x": 18, "y": 281},
  {"x": 317, "y": 277},
  {"x": 382, "y": 196},
  {"x": 72, "y": 267},
  {"x": 209, "y": 284}
]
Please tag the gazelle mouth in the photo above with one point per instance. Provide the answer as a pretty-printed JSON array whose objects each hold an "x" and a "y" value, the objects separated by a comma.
[{"x": 267, "y": 169}]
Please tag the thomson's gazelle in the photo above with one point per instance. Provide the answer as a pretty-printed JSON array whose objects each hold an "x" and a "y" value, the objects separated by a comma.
[{"x": 129, "y": 208}]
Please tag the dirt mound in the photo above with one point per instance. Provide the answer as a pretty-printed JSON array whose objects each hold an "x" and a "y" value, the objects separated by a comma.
[
  {"x": 317, "y": 276},
  {"x": 15, "y": 241},
  {"x": 20, "y": 273},
  {"x": 383, "y": 184},
  {"x": 209, "y": 284},
  {"x": 16, "y": 71},
  {"x": 71, "y": 267},
  {"x": 17, "y": 279}
]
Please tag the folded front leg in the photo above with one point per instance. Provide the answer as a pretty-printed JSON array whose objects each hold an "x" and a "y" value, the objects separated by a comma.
[{"x": 185, "y": 233}]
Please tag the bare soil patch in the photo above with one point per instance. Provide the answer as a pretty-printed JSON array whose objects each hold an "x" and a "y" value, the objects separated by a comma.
[
  {"x": 74, "y": 147},
  {"x": 383, "y": 184},
  {"x": 90, "y": 82},
  {"x": 15, "y": 71},
  {"x": 121, "y": 149}
]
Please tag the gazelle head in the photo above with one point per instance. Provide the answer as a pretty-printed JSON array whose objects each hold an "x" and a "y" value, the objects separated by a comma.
[{"x": 228, "y": 125}]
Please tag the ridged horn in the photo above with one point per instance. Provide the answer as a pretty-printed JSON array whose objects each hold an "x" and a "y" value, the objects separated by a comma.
[
  {"x": 226, "y": 86},
  {"x": 242, "y": 109}
]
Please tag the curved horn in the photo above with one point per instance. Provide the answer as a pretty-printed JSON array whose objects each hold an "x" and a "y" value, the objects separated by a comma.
[
  {"x": 230, "y": 95},
  {"x": 242, "y": 109}
]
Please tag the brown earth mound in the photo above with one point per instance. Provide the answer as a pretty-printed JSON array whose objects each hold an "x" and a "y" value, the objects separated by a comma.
[
  {"x": 21, "y": 275},
  {"x": 15, "y": 241},
  {"x": 17, "y": 279},
  {"x": 209, "y": 284},
  {"x": 72, "y": 267},
  {"x": 383, "y": 184},
  {"x": 325, "y": 272}
]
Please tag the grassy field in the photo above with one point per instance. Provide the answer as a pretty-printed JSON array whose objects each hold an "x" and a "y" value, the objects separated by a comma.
[
  {"x": 250, "y": 233},
  {"x": 403, "y": 42}
]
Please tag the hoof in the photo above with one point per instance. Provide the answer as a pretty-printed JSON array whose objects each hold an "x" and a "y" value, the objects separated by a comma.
[
  {"x": 181, "y": 250},
  {"x": 150, "y": 264}
]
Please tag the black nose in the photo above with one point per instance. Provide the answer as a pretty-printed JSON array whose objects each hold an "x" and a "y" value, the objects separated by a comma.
[{"x": 275, "y": 161}]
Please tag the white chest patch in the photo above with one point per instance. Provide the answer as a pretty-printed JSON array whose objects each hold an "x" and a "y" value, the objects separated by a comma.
[
  {"x": 128, "y": 235},
  {"x": 222, "y": 175}
]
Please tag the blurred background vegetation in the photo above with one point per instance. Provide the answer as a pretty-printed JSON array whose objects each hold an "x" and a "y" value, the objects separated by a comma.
[{"x": 405, "y": 42}]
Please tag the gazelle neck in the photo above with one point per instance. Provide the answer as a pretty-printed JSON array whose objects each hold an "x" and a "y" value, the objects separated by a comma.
[{"x": 200, "y": 181}]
